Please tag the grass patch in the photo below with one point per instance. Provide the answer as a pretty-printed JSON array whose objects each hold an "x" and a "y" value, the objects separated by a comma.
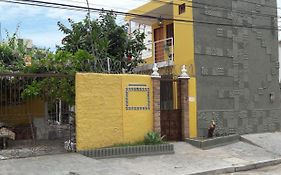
[
  {"x": 128, "y": 144},
  {"x": 151, "y": 138}
]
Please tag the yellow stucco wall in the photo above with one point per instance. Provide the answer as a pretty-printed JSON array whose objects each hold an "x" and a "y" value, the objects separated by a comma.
[
  {"x": 101, "y": 115},
  {"x": 136, "y": 123},
  {"x": 184, "y": 55},
  {"x": 183, "y": 39},
  {"x": 146, "y": 8},
  {"x": 21, "y": 114},
  {"x": 192, "y": 107}
]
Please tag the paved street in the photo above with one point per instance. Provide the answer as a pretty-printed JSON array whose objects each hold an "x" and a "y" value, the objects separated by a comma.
[
  {"x": 273, "y": 170},
  {"x": 186, "y": 160}
]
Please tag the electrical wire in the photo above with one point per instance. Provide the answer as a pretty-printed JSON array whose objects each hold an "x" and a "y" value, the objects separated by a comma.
[
  {"x": 74, "y": 7},
  {"x": 223, "y": 8},
  {"x": 170, "y": 3},
  {"x": 39, "y": 5},
  {"x": 120, "y": 8}
]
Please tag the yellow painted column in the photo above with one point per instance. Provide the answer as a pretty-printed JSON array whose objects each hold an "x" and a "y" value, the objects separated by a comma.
[
  {"x": 184, "y": 55},
  {"x": 192, "y": 108}
]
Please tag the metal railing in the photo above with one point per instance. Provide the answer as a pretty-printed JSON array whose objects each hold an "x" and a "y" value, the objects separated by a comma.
[
  {"x": 39, "y": 119},
  {"x": 163, "y": 50}
]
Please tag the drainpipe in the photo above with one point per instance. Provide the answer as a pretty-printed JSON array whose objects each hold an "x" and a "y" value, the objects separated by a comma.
[{"x": 59, "y": 112}]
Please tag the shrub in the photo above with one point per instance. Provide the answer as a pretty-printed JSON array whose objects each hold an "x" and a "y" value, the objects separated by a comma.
[{"x": 153, "y": 138}]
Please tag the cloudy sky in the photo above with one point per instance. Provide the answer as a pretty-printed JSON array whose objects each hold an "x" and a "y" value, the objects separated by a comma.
[{"x": 40, "y": 24}]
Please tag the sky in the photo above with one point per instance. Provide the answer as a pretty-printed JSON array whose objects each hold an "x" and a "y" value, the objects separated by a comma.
[{"x": 40, "y": 24}]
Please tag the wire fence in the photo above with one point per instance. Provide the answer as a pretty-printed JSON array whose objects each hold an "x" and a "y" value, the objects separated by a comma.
[{"x": 30, "y": 116}]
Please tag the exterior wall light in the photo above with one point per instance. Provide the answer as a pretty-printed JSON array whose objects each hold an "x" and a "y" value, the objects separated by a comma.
[{"x": 160, "y": 21}]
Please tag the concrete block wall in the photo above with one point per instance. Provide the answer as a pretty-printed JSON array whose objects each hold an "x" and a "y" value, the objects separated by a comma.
[{"x": 237, "y": 67}]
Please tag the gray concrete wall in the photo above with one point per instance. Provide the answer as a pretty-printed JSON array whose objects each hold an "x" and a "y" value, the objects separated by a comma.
[{"x": 237, "y": 67}]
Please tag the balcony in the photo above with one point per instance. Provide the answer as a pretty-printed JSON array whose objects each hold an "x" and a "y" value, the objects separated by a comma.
[{"x": 160, "y": 52}]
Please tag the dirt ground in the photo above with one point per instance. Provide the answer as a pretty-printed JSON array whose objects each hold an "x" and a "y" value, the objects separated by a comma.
[{"x": 29, "y": 148}]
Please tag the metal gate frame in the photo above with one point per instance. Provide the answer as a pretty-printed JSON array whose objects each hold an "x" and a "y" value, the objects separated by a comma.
[{"x": 170, "y": 112}]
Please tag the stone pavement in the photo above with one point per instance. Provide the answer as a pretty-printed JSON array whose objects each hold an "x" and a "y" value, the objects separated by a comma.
[
  {"x": 269, "y": 141},
  {"x": 186, "y": 160}
]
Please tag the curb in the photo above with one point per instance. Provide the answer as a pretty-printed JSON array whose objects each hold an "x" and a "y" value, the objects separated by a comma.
[
  {"x": 257, "y": 165},
  {"x": 129, "y": 151},
  {"x": 210, "y": 143}
]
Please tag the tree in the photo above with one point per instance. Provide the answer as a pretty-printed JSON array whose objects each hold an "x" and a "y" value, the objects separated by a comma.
[
  {"x": 13, "y": 52},
  {"x": 85, "y": 48},
  {"x": 104, "y": 39}
]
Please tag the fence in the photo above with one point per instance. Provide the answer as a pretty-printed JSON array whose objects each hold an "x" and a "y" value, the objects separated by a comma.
[{"x": 33, "y": 107}]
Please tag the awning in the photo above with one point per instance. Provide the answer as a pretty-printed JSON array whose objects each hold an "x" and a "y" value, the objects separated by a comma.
[{"x": 163, "y": 9}]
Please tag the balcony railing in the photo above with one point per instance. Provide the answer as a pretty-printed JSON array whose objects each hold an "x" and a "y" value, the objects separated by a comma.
[
  {"x": 160, "y": 52},
  {"x": 163, "y": 50}
]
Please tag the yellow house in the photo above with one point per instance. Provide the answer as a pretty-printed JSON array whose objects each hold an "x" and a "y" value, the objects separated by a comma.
[
  {"x": 224, "y": 53},
  {"x": 171, "y": 44}
]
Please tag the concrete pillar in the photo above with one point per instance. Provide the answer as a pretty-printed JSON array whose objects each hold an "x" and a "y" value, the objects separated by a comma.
[
  {"x": 184, "y": 77},
  {"x": 184, "y": 107}
]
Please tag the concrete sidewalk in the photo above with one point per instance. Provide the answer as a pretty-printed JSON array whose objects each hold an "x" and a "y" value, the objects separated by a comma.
[{"x": 186, "y": 160}]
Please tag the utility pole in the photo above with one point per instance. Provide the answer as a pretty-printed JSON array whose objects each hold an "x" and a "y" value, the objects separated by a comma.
[
  {"x": 90, "y": 33},
  {"x": 0, "y": 33},
  {"x": 108, "y": 65}
]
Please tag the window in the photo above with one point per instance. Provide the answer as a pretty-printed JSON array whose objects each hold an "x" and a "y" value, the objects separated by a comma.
[
  {"x": 181, "y": 8},
  {"x": 169, "y": 33}
]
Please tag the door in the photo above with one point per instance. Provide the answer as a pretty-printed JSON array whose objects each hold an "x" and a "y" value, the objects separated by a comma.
[
  {"x": 170, "y": 114},
  {"x": 159, "y": 45}
]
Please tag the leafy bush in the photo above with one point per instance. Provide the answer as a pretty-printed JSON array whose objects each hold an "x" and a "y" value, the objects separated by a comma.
[{"x": 153, "y": 138}]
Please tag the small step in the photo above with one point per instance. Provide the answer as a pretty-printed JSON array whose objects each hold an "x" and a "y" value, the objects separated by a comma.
[{"x": 209, "y": 143}]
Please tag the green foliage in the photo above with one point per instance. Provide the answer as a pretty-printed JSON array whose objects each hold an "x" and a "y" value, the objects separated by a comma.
[
  {"x": 103, "y": 39},
  {"x": 51, "y": 89},
  {"x": 32, "y": 90},
  {"x": 153, "y": 138},
  {"x": 10, "y": 59},
  {"x": 86, "y": 47},
  {"x": 13, "y": 51}
]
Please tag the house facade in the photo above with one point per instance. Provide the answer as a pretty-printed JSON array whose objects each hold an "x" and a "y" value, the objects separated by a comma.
[{"x": 230, "y": 48}]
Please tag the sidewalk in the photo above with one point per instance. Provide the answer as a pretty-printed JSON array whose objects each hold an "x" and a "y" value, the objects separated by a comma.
[{"x": 186, "y": 160}]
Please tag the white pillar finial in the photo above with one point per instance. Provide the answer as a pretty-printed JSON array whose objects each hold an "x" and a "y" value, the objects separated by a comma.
[
  {"x": 155, "y": 73},
  {"x": 184, "y": 73}
]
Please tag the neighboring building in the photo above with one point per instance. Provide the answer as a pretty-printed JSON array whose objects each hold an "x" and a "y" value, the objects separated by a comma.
[
  {"x": 26, "y": 43},
  {"x": 235, "y": 68}
]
